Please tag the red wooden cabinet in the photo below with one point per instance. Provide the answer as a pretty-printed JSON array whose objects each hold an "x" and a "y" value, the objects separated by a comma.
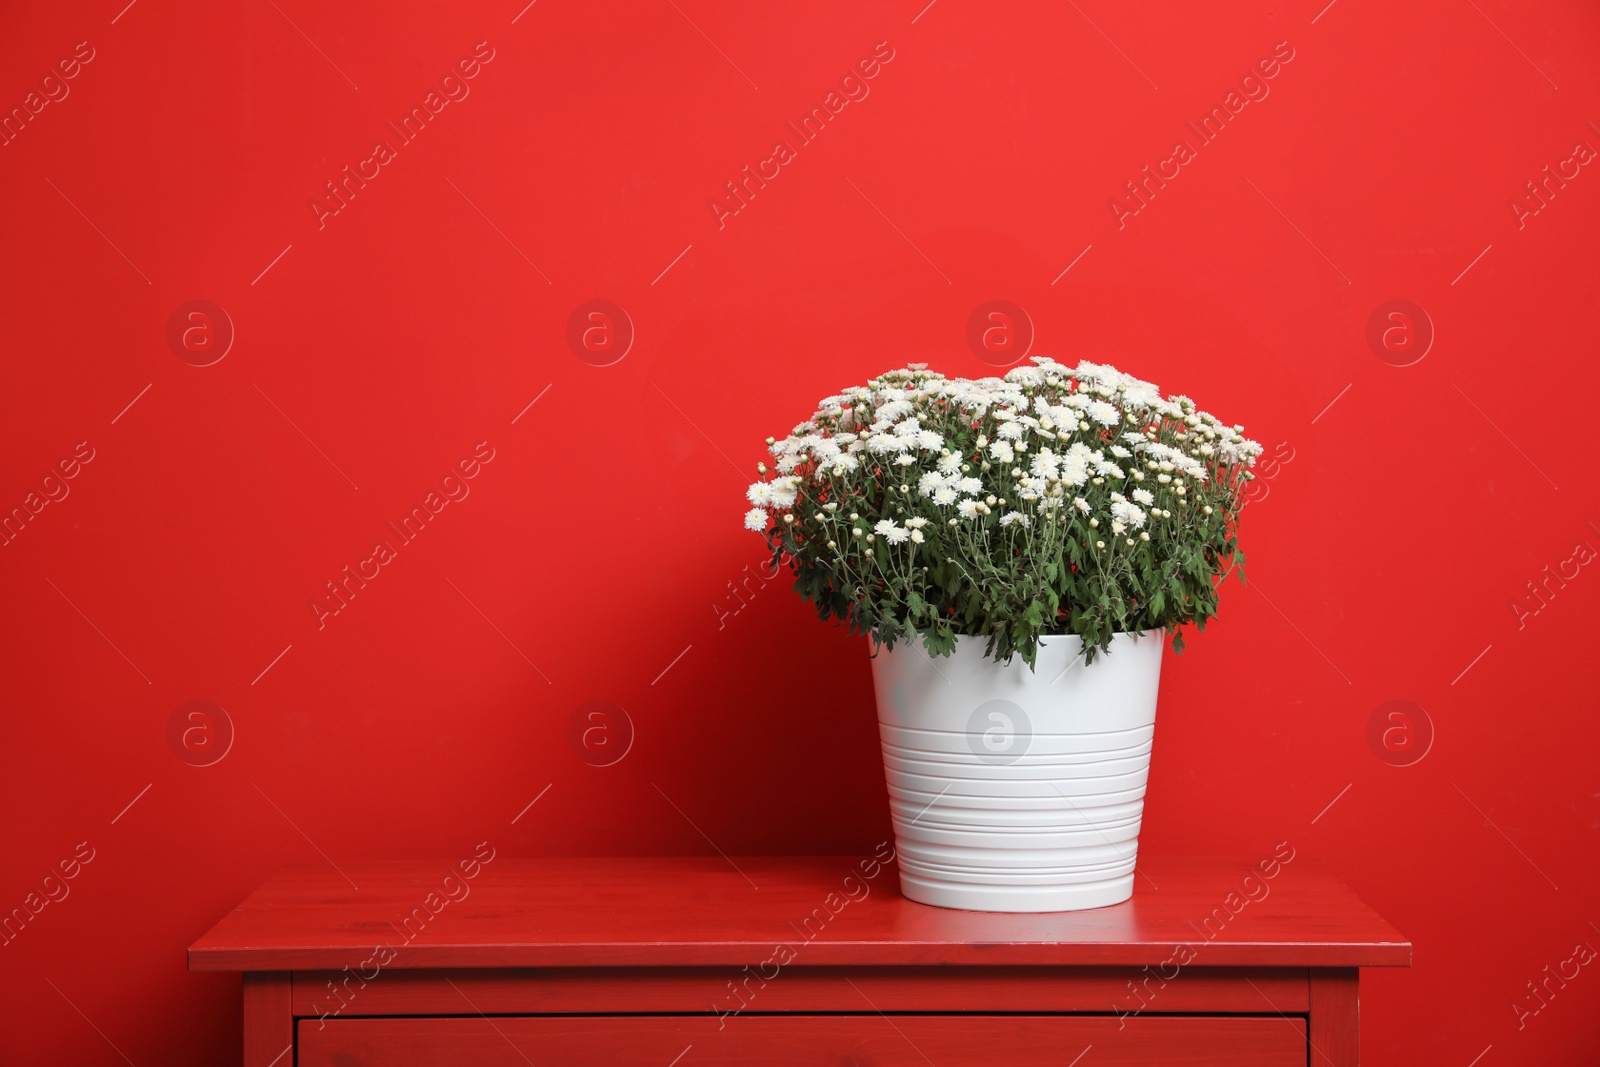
[{"x": 789, "y": 961}]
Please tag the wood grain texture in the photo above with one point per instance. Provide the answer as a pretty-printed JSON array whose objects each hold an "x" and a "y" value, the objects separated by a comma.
[
  {"x": 805, "y": 1041},
  {"x": 268, "y": 1020},
  {"x": 700, "y": 911},
  {"x": 1335, "y": 1018}
]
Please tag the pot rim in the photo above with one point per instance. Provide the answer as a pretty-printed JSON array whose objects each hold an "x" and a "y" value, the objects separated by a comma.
[{"x": 1050, "y": 639}]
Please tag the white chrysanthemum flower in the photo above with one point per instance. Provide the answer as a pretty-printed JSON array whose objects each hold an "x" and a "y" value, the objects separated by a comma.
[
  {"x": 1011, "y": 431},
  {"x": 1120, "y": 452},
  {"x": 930, "y": 440},
  {"x": 916, "y": 522},
  {"x": 1141, "y": 394},
  {"x": 1046, "y": 464},
  {"x": 784, "y": 491},
  {"x": 756, "y": 519},
  {"x": 759, "y": 494},
  {"x": 1175, "y": 459},
  {"x": 1127, "y": 513},
  {"x": 944, "y": 496},
  {"x": 950, "y": 464},
  {"x": 894, "y": 410},
  {"x": 905, "y": 459},
  {"x": 1238, "y": 450},
  {"x": 882, "y": 443},
  {"x": 971, "y": 509},
  {"x": 1107, "y": 469},
  {"x": 1144, "y": 496},
  {"x": 1002, "y": 451},
  {"x": 1081, "y": 504},
  {"x": 970, "y": 485},
  {"x": 1118, "y": 526},
  {"x": 917, "y": 537},
  {"x": 1103, "y": 413},
  {"x": 890, "y": 532},
  {"x": 1015, "y": 518},
  {"x": 929, "y": 483}
]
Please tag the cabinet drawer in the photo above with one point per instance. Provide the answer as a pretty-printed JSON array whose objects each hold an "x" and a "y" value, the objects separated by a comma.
[{"x": 805, "y": 1041}]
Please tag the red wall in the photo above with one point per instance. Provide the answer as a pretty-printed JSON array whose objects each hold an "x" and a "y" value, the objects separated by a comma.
[{"x": 375, "y": 347}]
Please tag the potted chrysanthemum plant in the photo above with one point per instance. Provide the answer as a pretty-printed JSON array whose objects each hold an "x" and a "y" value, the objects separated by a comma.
[{"x": 1017, "y": 549}]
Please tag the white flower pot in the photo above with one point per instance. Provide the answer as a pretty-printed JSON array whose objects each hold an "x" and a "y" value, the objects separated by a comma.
[{"x": 1018, "y": 790}]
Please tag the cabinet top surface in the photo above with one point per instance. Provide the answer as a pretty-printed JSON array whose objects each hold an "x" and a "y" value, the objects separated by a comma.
[{"x": 827, "y": 910}]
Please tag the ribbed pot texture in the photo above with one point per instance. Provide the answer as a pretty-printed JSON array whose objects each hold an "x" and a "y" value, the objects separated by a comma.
[{"x": 1018, "y": 790}]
